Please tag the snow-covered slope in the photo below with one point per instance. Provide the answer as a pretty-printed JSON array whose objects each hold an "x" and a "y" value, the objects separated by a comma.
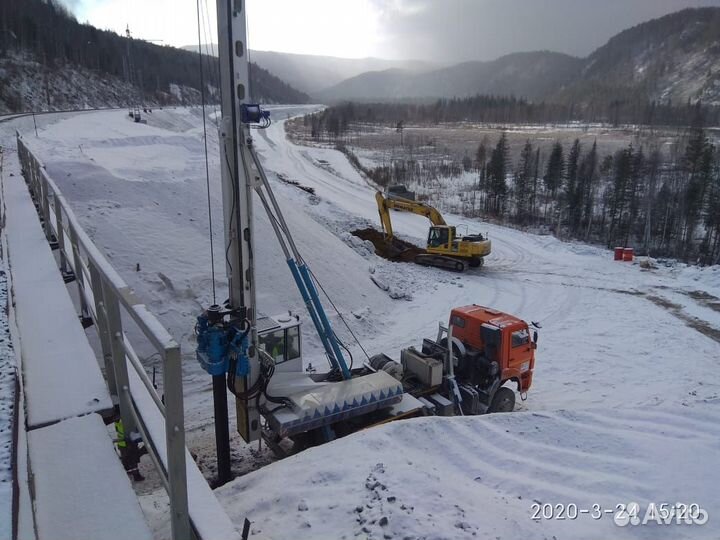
[
  {"x": 635, "y": 348},
  {"x": 28, "y": 85},
  {"x": 480, "y": 477}
]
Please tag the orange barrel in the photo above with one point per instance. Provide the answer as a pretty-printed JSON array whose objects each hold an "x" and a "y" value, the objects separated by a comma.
[
  {"x": 628, "y": 254},
  {"x": 619, "y": 253}
]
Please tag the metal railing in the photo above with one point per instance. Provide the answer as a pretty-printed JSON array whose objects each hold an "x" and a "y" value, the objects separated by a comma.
[{"x": 106, "y": 299}]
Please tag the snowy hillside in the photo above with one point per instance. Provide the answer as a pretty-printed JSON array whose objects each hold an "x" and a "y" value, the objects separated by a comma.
[
  {"x": 625, "y": 398},
  {"x": 671, "y": 58},
  {"x": 28, "y": 85}
]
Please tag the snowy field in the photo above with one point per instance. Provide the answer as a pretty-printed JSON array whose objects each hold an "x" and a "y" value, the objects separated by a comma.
[{"x": 626, "y": 398}]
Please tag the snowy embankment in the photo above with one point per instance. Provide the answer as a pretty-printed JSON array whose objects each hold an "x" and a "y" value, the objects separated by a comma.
[{"x": 637, "y": 347}]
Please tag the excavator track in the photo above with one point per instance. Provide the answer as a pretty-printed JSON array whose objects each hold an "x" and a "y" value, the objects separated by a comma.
[{"x": 440, "y": 261}]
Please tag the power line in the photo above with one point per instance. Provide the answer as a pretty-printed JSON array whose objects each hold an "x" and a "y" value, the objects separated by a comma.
[{"x": 207, "y": 164}]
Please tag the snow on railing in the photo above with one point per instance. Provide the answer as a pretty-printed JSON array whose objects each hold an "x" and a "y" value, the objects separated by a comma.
[{"x": 104, "y": 297}]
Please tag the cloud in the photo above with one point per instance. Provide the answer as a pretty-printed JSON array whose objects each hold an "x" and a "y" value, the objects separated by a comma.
[
  {"x": 434, "y": 30},
  {"x": 454, "y": 30}
]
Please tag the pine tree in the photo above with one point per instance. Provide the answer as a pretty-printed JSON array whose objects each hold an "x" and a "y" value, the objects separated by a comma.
[
  {"x": 712, "y": 216},
  {"x": 535, "y": 181},
  {"x": 697, "y": 164},
  {"x": 635, "y": 187},
  {"x": 622, "y": 173},
  {"x": 572, "y": 192},
  {"x": 523, "y": 179},
  {"x": 497, "y": 172},
  {"x": 554, "y": 174},
  {"x": 586, "y": 186},
  {"x": 555, "y": 170},
  {"x": 481, "y": 167}
]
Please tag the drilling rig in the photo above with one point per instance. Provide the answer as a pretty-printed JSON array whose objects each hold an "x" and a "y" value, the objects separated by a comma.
[
  {"x": 236, "y": 345},
  {"x": 258, "y": 358}
]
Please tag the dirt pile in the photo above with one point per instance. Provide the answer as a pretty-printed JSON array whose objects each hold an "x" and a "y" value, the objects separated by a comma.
[{"x": 398, "y": 250}]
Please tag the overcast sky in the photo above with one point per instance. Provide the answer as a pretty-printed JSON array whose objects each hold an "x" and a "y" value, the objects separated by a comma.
[{"x": 437, "y": 30}]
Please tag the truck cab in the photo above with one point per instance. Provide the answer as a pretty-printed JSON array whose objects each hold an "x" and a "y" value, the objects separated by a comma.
[{"x": 499, "y": 337}]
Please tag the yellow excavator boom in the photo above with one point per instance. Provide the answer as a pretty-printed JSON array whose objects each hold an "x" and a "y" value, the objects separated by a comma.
[{"x": 421, "y": 209}]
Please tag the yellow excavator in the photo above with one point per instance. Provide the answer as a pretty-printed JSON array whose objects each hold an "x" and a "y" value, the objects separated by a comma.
[{"x": 445, "y": 249}]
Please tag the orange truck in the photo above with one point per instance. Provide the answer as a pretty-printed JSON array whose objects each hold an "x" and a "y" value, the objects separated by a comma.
[{"x": 488, "y": 349}]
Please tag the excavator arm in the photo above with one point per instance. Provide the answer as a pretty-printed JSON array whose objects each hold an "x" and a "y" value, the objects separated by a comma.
[{"x": 422, "y": 209}]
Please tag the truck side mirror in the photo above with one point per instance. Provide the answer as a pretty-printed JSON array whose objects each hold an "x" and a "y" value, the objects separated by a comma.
[{"x": 535, "y": 337}]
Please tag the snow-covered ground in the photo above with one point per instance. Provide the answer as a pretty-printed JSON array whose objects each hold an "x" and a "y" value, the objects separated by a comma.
[
  {"x": 632, "y": 352},
  {"x": 457, "y": 478}
]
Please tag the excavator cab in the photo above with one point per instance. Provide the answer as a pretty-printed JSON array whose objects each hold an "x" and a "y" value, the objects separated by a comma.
[
  {"x": 440, "y": 236},
  {"x": 444, "y": 237}
]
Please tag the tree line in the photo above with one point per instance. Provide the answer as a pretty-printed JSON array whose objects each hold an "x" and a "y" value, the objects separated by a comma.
[
  {"x": 335, "y": 122},
  {"x": 661, "y": 203}
]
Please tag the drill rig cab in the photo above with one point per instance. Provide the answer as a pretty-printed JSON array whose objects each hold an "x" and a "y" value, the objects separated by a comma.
[{"x": 279, "y": 337}]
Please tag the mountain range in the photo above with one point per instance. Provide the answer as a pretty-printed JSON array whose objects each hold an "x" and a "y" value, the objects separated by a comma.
[
  {"x": 312, "y": 74},
  {"x": 675, "y": 57}
]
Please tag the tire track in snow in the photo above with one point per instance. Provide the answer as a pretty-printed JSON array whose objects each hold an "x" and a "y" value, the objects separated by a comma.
[
  {"x": 505, "y": 470},
  {"x": 541, "y": 463}
]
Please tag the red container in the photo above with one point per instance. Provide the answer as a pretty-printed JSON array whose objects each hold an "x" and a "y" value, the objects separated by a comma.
[
  {"x": 619, "y": 253},
  {"x": 628, "y": 254}
]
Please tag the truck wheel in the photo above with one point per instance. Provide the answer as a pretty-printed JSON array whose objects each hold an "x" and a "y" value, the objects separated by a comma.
[{"x": 503, "y": 400}]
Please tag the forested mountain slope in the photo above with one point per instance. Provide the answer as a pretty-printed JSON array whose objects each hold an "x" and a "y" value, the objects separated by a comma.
[
  {"x": 50, "y": 61},
  {"x": 675, "y": 58}
]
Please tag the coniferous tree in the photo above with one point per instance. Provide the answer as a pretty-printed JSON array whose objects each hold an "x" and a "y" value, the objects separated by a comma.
[
  {"x": 497, "y": 172},
  {"x": 622, "y": 174},
  {"x": 587, "y": 186},
  {"x": 697, "y": 165},
  {"x": 554, "y": 174},
  {"x": 481, "y": 167},
  {"x": 572, "y": 191},
  {"x": 535, "y": 182},
  {"x": 555, "y": 170},
  {"x": 712, "y": 217},
  {"x": 523, "y": 180}
]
